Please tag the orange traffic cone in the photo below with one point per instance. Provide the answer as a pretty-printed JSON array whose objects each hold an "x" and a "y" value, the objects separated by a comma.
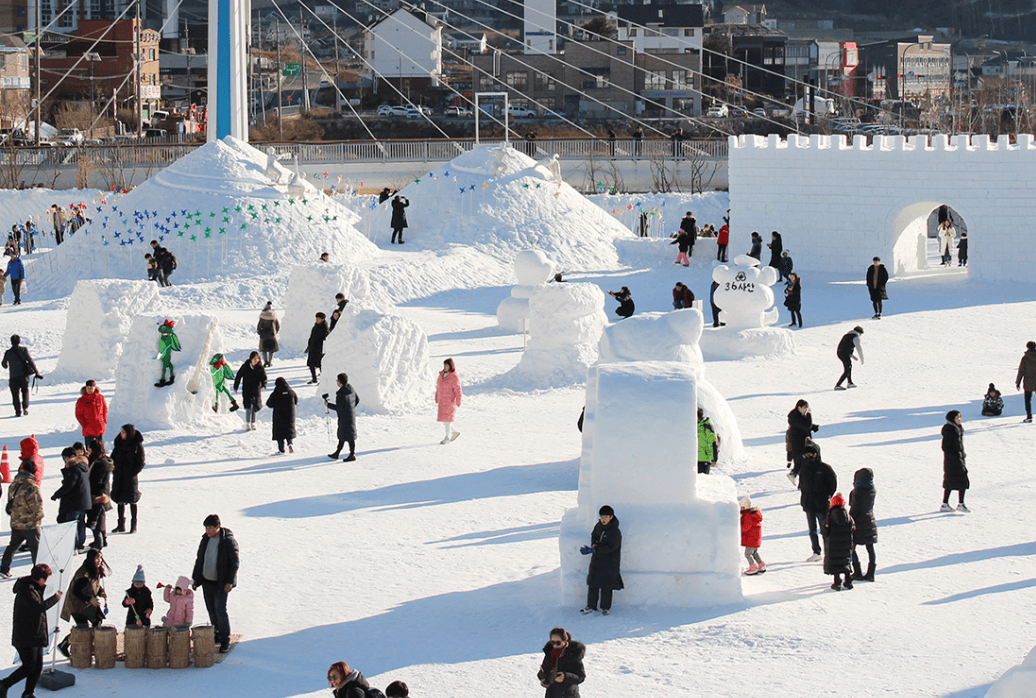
[{"x": 5, "y": 468}]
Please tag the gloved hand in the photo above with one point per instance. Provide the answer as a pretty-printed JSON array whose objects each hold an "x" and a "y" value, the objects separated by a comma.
[{"x": 586, "y": 550}]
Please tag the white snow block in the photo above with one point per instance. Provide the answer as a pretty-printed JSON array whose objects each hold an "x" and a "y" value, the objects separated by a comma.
[
  {"x": 385, "y": 356},
  {"x": 681, "y": 532},
  {"x": 186, "y": 403},
  {"x": 726, "y": 344},
  {"x": 565, "y": 326},
  {"x": 532, "y": 268},
  {"x": 1018, "y": 681},
  {"x": 97, "y": 324},
  {"x": 311, "y": 290}
]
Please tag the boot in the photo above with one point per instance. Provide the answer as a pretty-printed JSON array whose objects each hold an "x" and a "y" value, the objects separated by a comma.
[
  {"x": 234, "y": 407},
  {"x": 121, "y": 528},
  {"x": 172, "y": 379},
  {"x": 161, "y": 383},
  {"x": 63, "y": 646},
  {"x": 869, "y": 577},
  {"x": 857, "y": 574},
  {"x": 133, "y": 526}
]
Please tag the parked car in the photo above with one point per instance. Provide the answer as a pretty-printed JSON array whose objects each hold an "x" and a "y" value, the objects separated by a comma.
[
  {"x": 519, "y": 112},
  {"x": 14, "y": 136},
  {"x": 717, "y": 112},
  {"x": 759, "y": 113},
  {"x": 554, "y": 114},
  {"x": 457, "y": 111},
  {"x": 386, "y": 110},
  {"x": 417, "y": 112},
  {"x": 155, "y": 133},
  {"x": 69, "y": 136}
]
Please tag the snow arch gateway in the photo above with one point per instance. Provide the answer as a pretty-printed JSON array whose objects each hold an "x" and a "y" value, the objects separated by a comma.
[{"x": 839, "y": 204}]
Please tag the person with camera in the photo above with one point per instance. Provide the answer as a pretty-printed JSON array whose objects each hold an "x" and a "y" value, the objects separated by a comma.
[
  {"x": 562, "y": 671},
  {"x": 344, "y": 406},
  {"x": 625, "y": 298},
  {"x": 399, "y": 205},
  {"x": 20, "y": 366},
  {"x": 606, "y": 550},
  {"x": 29, "y": 628}
]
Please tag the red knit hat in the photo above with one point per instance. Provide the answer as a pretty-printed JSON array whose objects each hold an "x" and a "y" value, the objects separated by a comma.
[{"x": 837, "y": 500}]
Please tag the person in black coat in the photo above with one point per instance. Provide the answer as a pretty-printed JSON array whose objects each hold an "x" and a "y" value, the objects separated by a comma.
[
  {"x": 344, "y": 406},
  {"x": 336, "y": 314},
  {"x": 757, "y": 247},
  {"x": 838, "y": 543},
  {"x": 74, "y": 494},
  {"x": 625, "y": 298},
  {"x": 817, "y": 482},
  {"x": 562, "y": 671},
  {"x": 793, "y": 299},
  {"x": 20, "y": 367},
  {"x": 800, "y": 426},
  {"x": 776, "y": 246},
  {"x": 253, "y": 376},
  {"x": 138, "y": 601},
  {"x": 282, "y": 401},
  {"x": 315, "y": 346},
  {"x": 861, "y": 509},
  {"x": 347, "y": 682},
  {"x": 218, "y": 576},
  {"x": 877, "y": 277},
  {"x": 606, "y": 550},
  {"x": 954, "y": 471},
  {"x": 101, "y": 467},
  {"x": 29, "y": 632},
  {"x": 685, "y": 244},
  {"x": 128, "y": 460},
  {"x": 399, "y": 205}
]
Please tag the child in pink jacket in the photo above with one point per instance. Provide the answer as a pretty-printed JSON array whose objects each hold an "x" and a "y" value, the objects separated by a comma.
[{"x": 181, "y": 603}]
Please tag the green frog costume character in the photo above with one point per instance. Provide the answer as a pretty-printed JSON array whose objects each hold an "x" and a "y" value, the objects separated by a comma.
[
  {"x": 221, "y": 373},
  {"x": 167, "y": 344}
]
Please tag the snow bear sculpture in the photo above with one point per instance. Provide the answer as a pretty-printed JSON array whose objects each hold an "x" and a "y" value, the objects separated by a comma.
[{"x": 744, "y": 294}]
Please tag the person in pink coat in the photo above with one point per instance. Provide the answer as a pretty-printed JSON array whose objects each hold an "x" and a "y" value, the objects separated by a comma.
[
  {"x": 448, "y": 394},
  {"x": 181, "y": 603}
]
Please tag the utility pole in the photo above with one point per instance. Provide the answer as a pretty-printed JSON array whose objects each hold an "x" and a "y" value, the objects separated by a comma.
[
  {"x": 138, "y": 58},
  {"x": 302, "y": 57},
  {"x": 187, "y": 50},
  {"x": 280, "y": 98},
  {"x": 39, "y": 72}
]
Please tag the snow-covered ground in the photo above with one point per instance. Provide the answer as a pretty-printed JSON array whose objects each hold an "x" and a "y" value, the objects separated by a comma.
[{"x": 439, "y": 565}]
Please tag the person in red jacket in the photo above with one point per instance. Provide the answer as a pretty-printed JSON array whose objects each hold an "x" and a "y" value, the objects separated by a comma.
[
  {"x": 92, "y": 413},
  {"x": 31, "y": 451},
  {"x": 722, "y": 238},
  {"x": 752, "y": 536}
]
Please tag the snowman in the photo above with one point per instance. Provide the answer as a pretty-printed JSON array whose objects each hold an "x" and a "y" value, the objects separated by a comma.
[{"x": 744, "y": 294}]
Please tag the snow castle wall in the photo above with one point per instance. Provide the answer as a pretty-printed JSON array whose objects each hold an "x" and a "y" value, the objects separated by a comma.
[
  {"x": 311, "y": 290},
  {"x": 188, "y": 402},
  {"x": 385, "y": 356},
  {"x": 1018, "y": 681},
  {"x": 840, "y": 204},
  {"x": 97, "y": 324},
  {"x": 680, "y": 531}
]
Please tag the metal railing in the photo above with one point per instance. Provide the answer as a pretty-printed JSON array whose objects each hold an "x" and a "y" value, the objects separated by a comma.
[{"x": 431, "y": 150}]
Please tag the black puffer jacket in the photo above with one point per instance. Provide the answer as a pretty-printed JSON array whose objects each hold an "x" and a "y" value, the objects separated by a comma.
[
  {"x": 228, "y": 559},
  {"x": 605, "y": 562},
  {"x": 799, "y": 427},
  {"x": 817, "y": 482},
  {"x": 344, "y": 406},
  {"x": 128, "y": 459},
  {"x": 570, "y": 665},
  {"x": 954, "y": 472},
  {"x": 354, "y": 686},
  {"x": 254, "y": 379},
  {"x": 838, "y": 541},
  {"x": 282, "y": 401},
  {"x": 861, "y": 507},
  {"x": 74, "y": 492},
  {"x": 29, "y": 628}
]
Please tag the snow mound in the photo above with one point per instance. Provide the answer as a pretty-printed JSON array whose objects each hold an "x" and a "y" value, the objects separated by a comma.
[
  {"x": 501, "y": 201},
  {"x": 97, "y": 323},
  {"x": 188, "y": 402},
  {"x": 219, "y": 212},
  {"x": 384, "y": 354},
  {"x": 532, "y": 268},
  {"x": 725, "y": 344},
  {"x": 311, "y": 290},
  {"x": 1018, "y": 681},
  {"x": 566, "y": 321}
]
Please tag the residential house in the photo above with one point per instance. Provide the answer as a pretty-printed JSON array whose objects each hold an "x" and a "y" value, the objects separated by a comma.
[
  {"x": 405, "y": 48},
  {"x": 911, "y": 68},
  {"x": 15, "y": 82},
  {"x": 744, "y": 14}
]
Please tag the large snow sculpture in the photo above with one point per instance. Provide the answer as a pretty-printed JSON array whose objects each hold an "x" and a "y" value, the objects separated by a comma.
[
  {"x": 532, "y": 268},
  {"x": 188, "y": 401},
  {"x": 1018, "y": 681},
  {"x": 311, "y": 290},
  {"x": 97, "y": 323},
  {"x": 565, "y": 324},
  {"x": 745, "y": 299},
  {"x": 384, "y": 354},
  {"x": 680, "y": 531}
]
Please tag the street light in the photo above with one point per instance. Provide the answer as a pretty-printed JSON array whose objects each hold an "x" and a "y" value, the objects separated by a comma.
[{"x": 92, "y": 58}]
